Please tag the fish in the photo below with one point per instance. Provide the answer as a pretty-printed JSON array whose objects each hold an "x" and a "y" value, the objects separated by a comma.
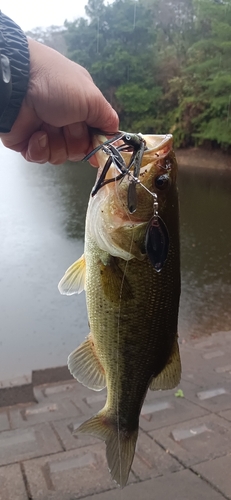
[{"x": 132, "y": 306}]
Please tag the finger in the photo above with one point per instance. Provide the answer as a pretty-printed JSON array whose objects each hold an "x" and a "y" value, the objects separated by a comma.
[
  {"x": 37, "y": 149},
  {"x": 77, "y": 140},
  {"x": 57, "y": 144},
  {"x": 101, "y": 115}
]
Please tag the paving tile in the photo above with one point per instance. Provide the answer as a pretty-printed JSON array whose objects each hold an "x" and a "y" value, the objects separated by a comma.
[
  {"x": 207, "y": 378},
  {"x": 217, "y": 472},
  {"x": 70, "y": 389},
  {"x": 223, "y": 369},
  {"x": 212, "y": 393},
  {"x": 151, "y": 460},
  {"x": 88, "y": 401},
  {"x": 53, "y": 391},
  {"x": 17, "y": 390},
  {"x": 12, "y": 485},
  {"x": 180, "y": 434},
  {"x": 24, "y": 416},
  {"x": 51, "y": 375},
  {"x": 70, "y": 475},
  {"x": 96, "y": 400},
  {"x": 213, "y": 354},
  {"x": 183, "y": 485},
  {"x": 201, "y": 378},
  {"x": 217, "y": 402},
  {"x": 190, "y": 389},
  {"x": 168, "y": 411},
  {"x": 60, "y": 393},
  {"x": 196, "y": 440},
  {"x": 65, "y": 428},
  {"x": 4, "y": 422},
  {"x": 154, "y": 407},
  {"x": 225, "y": 414},
  {"x": 223, "y": 337},
  {"x": 193, "y": 360},
  {"x": 63, "y": 389},
  {"x": 198, "y": 370},
  {"x": 22, "y": 444},
  {"x": 215, "y": 340},
  {"x": 204, "y": 344},
  {"x": 213, "y": 360},
  {"x": 213, "y": 397}
]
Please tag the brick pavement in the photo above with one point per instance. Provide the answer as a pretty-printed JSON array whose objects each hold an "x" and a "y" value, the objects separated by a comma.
[{"x": 183, "y": 450}]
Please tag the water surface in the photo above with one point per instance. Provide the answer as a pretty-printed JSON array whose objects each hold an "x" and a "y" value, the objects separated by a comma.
[
  {"x": 42, "y": 213},
  {"x": 205, "y": 202}
]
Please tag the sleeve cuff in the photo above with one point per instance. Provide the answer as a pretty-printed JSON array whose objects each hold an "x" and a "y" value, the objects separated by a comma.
[{"x": 14, "y": 45}]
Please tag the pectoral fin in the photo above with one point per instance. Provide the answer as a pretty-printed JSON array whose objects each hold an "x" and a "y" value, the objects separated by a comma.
[
  {"x": 85, "y": 366},
  {"x": 73, "y": 280},
  {"x": 170, "y": 375}
]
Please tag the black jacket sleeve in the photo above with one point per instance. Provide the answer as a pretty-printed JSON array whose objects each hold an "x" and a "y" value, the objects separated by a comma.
[{"x": 14, "y": 71}]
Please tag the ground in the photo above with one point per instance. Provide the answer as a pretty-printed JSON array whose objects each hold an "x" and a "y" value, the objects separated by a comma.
[{"x": 183, "y": 451}]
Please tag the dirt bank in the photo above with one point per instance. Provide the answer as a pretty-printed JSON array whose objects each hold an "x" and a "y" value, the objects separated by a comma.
[{"x": 196, "y": 157}]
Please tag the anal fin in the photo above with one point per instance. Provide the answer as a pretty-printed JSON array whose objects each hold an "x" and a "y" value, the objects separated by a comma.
[
  {"x": 170, "y": 376},
  {"x": 85, "y": 366}
]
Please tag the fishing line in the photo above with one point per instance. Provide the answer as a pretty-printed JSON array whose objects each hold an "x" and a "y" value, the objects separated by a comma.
[
  {"x": 127, "y": 175},
  {"x": 118, "y": 333}
]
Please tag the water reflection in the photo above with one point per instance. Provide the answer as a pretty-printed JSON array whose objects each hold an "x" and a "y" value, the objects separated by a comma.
[
  {"x": 38, "y": 206},
  {"x": 205, "y": 197},
  {"x": 42, "y": 213},
  {"x": 72, "y": 184}
]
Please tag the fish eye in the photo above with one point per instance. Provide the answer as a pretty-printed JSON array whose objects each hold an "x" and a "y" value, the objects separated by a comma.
[{"x": 162, "y": 181}]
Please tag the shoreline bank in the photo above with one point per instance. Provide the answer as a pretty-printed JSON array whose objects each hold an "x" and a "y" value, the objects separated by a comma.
[{"x": 197, "y": 157}]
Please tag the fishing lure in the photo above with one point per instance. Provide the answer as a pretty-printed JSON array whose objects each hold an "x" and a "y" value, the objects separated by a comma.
[{"x": 157, "y": 237}]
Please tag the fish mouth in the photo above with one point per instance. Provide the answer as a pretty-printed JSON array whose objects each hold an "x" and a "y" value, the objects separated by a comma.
[
  {"x": 158, "y": 143},
  {"x": 157, "y": 148}
]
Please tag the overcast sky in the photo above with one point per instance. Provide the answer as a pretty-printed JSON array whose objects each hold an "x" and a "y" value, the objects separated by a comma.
[{"x": 32, "y": 13}]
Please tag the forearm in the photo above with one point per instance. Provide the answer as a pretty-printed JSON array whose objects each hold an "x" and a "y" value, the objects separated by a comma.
[{"x": 14, "y": 53}]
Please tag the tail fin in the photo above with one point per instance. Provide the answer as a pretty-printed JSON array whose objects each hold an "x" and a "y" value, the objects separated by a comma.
[{"x": 120, "y": 444}]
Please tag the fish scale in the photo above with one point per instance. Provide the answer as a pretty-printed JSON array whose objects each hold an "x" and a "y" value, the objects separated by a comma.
[{"x": 132, "y": 309}]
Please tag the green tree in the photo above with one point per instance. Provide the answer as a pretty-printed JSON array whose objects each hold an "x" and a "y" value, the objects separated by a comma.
[
  {"x": 52, "y": 37},
  {"x": 203, "y": 88},
  {"x": 164, "y": 65},
  {"x": 116, "y": 46}
]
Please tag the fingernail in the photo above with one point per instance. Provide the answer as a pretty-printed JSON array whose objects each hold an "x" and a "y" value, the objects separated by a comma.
[{"x": 43, "y": 141}]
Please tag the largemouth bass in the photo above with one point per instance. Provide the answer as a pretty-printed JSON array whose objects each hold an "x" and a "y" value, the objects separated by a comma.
[{"x": 132, "y": 308}]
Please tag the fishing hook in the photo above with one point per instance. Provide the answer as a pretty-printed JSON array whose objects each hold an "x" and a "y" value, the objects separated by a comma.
[{"x": 132, "y": 142}]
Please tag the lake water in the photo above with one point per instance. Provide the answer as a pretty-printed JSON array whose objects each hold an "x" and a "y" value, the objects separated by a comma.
[{"x": 42, "y": 213}]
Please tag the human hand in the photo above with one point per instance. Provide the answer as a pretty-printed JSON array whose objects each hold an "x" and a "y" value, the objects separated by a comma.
[{"x": 62, "y": 101}]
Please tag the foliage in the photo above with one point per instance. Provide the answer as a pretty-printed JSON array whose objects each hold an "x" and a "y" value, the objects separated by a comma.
[
  {"x": 179, "y": 394},
  {"x": 52, "y": 36},
  {"x": 204, "y": 86},
  {"x": 163, "y": 64}
]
